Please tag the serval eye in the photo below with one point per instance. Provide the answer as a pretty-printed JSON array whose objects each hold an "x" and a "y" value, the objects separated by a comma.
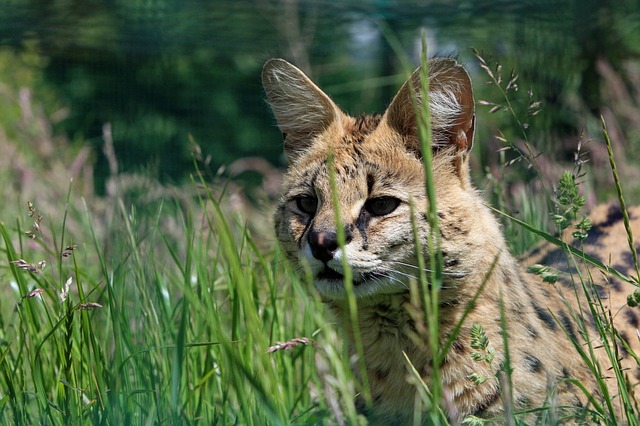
[
  {"x": 307, "y": 205},
  {"x": 381, "y": 206}
]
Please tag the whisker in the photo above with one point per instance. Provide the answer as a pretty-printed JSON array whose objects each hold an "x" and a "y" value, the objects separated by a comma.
[
  {"x": 378, "y": 280},
  {"x": 459, "y": 274},
  {"x": 388, "y": 272}
]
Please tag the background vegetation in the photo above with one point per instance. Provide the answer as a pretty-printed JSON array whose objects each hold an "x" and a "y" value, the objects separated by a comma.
[
  {"x": 106, "y": 105},
  {"x": 161, "y": 72}
]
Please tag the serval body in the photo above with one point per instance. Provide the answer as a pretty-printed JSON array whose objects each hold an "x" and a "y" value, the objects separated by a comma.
[{"x": 380, "y": 180}]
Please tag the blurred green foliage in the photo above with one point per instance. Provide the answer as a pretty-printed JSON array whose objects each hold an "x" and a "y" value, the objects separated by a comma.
[{"x": 162, "y": 72}]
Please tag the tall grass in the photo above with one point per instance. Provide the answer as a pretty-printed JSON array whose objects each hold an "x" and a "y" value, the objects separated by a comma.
[
  {"x": 159, "y": 332},
  {"x": 193, "y": 322}
]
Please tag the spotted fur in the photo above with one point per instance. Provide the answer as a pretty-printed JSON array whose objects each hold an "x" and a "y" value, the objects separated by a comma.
[{"x": 379, "y": 178}]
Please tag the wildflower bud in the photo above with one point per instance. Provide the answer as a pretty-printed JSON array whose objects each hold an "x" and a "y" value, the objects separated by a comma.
[
  {"x": 538, "y": 269},
  {"x": 24, "y": 265},
  {"x": 476, "y": 379},
  {"x": 633, "y": 299},
  {"x": 579, "y": 235},
  {"x": 549, "y": 277}
]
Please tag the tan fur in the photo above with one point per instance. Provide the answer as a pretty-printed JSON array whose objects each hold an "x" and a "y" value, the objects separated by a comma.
[{"x": 378, "y": 158}]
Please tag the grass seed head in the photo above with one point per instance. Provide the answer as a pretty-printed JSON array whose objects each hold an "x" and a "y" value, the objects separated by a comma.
[
  {"x": 24, "y": 265},
  {"x": 89, "y": 306},
  {"x": 34, "y": 293},
  {"x": 290, "y": 344},
  {"x": 65, "y": 290}
]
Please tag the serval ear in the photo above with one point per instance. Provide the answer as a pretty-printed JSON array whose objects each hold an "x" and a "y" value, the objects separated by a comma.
[
  {"x": 451, "y": 107},
  {"x": 301, "y": 109}
]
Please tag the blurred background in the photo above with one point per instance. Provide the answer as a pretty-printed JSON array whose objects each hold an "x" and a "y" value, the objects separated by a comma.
[{"x": 91, "y": 89}]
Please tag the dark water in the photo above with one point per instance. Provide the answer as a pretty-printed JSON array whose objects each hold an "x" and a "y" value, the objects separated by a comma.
[{"x": 165, "y": 71}]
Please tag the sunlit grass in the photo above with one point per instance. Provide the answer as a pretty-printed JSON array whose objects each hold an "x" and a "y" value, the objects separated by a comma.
[{"x": 161, "y": 333}]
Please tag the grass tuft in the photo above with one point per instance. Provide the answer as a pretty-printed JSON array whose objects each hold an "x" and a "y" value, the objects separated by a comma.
[{"x": 149, "y": 326}]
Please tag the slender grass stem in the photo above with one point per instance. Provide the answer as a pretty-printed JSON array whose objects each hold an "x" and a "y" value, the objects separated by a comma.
[
  {"x": 352, "y": 304},
  {"x": 623, "y": 207}
]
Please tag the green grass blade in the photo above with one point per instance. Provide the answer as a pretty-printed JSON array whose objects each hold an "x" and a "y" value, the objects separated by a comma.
[
  {"x": 623, "y": 207},
  {"x": 574, "y": 251}
]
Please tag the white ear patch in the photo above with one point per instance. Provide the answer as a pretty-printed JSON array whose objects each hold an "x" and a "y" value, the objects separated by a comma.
[{"x": 451, "y": 104}]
